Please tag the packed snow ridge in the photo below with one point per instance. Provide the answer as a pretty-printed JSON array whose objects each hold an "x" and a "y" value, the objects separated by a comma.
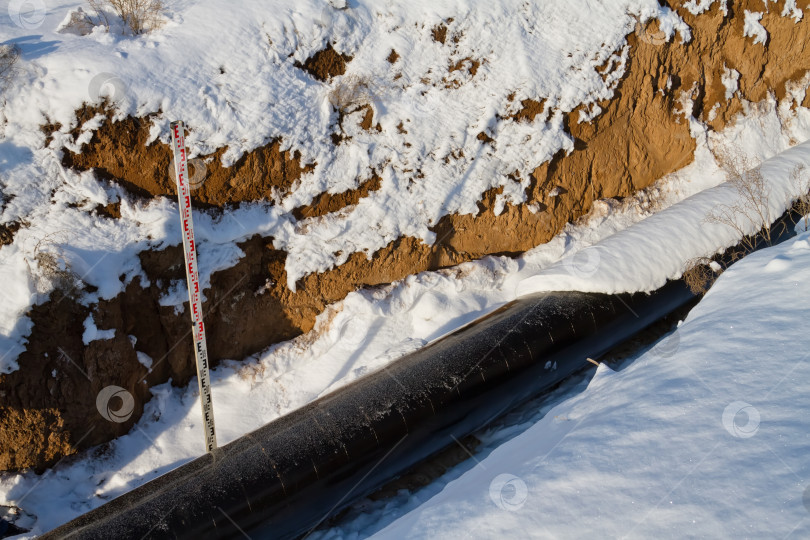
[{"x": 703, "y": 435}]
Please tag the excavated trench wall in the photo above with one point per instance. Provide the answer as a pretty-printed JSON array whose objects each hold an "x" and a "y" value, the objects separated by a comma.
[{"x": 639, "y": 137}]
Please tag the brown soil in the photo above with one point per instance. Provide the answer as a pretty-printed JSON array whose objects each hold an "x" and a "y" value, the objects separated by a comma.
[
  {"x": 440, "y": 33},
  {"x": 112, "y": 210},
  {"x": 636, "y": 139},
  {"x": 49, "y": 408},
  {"x": 7, "y": 231},
  {"x": 326, "y": 203},
  {"x": 39, "y": 437},
  {"x": 483, "y": 137},
  {"x": 368, "y": 120},
  {"x": 118, "y": 151},
  {"x": 325, "y": 64},
  {"x": 719, "y": 41},
  {"x": 529, "y": 109},
  {"x": 465, "y": 64},
  {"x": 469, "y": 64},
  {"x": 393, "y": 57}
]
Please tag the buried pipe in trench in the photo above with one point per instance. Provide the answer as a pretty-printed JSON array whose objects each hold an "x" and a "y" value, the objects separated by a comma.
[{"x": 287, "y": 477}]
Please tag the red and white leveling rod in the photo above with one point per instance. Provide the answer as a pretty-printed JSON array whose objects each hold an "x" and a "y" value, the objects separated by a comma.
[{"x": 200, "y": 349}]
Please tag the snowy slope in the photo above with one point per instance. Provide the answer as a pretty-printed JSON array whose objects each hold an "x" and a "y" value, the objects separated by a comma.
[
  {"x": 705, "y": 435},
  {"x": 370, "y": 329},
  {"x": 258, "y": 94}
]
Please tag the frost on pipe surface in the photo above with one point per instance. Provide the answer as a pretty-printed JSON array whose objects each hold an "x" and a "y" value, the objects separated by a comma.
[{"x": 285, "y": 478}]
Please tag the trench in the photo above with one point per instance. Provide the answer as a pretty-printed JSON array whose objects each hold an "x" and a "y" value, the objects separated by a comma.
[{"x": 290, "y": 476}]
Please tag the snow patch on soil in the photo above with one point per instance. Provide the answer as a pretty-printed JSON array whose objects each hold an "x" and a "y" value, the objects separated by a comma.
[
  {"x": 696, "y": 7},
  {"x": 92, "y": 333},
  {"x": 792, "y": 10},
  {"x": 371, "y": 328},
  {"x": 731, "y": 81},
  {"x": 753, "y": 28}
]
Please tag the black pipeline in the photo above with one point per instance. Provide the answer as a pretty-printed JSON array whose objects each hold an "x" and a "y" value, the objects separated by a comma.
[
  {"x": 290, "y": 475},
  {"x": 285, "y": 478}
]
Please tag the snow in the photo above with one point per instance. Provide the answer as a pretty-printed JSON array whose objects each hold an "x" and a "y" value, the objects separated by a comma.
[
  {"x": 696, "y": 7},
  {"x": 753, "y": 28},
  {"x": 613, "y": 265},
  {"x": 145, "y": 360},
  {"x": 792, "y": 10},
  {"x": 13, "y": 302},
  {"x": 731, "y": 81},
  {"x": 371, "y": 328},
  {"x": 669, "y": 22},
  {"x": 706, "y": 440},
  {"x": 92, "y": 333},
  {"x": 262, "y": 96}
]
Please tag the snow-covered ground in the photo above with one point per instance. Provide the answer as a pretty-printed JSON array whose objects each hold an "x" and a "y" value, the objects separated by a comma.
[
  {"x": 705, "y": 435},
  {"x": 372, "y": 328},
  {"x": 253, "y": 93},
  {"x": 569, "y": 53},
  {"x": 369, "y": 328}
]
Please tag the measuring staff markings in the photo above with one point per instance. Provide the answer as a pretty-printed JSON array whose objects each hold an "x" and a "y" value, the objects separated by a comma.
[{"x": 189, "y": 250}]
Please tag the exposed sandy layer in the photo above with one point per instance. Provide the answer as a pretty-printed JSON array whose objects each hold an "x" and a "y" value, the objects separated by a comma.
[
  {"x": 326, "y": 203},
  {"x": 326, "y": 64},
  {"x": 118, "y": 152}
]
